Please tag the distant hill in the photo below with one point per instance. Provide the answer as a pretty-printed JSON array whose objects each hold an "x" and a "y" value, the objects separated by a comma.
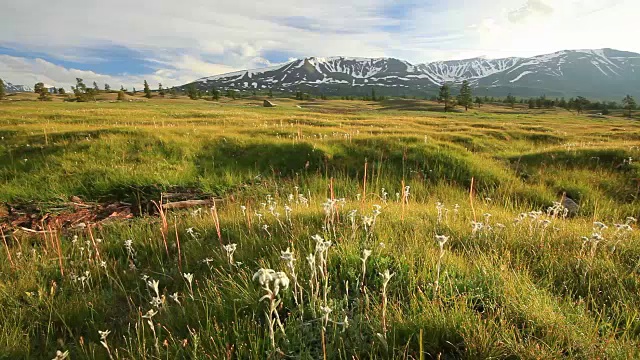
[{"x": 601, "y": 74}]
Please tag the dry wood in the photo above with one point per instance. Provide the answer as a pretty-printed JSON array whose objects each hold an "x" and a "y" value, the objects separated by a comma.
[{"x": 189, "y": 203}]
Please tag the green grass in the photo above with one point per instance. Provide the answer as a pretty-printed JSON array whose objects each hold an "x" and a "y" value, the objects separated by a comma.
[{"x": 526, "y": 290}]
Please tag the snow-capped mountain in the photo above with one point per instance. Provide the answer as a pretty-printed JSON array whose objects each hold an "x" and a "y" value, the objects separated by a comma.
[
  {"x": 11, "y": 88},
  {"x": 604, "y": 73}
]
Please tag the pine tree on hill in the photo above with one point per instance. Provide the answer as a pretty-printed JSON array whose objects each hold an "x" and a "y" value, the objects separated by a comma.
[
  {"x": 215, "y": 94},
  {"x": 579, "y": 104},
  {"x": 43, "y": 91},
  {"x": 465, "y": 98},
  {"x": 444, "y": 96},
  {"x": 147, "y": 90},
  {"x": 629, "y": 103},
  {"x": 192, "y": 92},
  {"x": 38, "y": 88},
  {"x": 3, "y": 90}
]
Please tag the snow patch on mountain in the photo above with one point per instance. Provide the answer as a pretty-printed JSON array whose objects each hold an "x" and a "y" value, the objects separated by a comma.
[
  {"x": 521, "y": 75},
  {"x": 14, "y": 88}
]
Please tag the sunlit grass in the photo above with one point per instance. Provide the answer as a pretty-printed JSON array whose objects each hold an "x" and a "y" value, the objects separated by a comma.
[{"x": 353, "y": 265}]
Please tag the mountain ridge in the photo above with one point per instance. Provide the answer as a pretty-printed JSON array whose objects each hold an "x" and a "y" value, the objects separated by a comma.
[
  {"x": 599, "y": 73},
  {"x": 14, "y": 88}
]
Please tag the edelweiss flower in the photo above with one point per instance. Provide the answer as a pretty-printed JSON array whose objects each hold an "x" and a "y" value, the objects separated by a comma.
[
  {"x": 61, "y": 355},
  {"x": 264, "y": 276},
  {"x": 174, "y": 297},
  {"x": 150, "y": 314},
  {"x": 154, "y": 285},
  {"x": 365, "y": 255},
  {"x": 280, "y": 280},
  {"x": 230, "y": 247},
  {"x": 600, "y": 226},
  {"x": 386, "y": 277},
  {"x": 311, "y": 260},
  {"x": 623, "y": 227},
  {"x": 188, "y": 277},
  {"x": 104, "y": 334},
  {"x": 287, "y": 256},
  {"x": 442, "y": 239}
]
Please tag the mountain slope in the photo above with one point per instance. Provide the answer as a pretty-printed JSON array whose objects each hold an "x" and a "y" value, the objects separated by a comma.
[
  {"x": 603, "y": 73},
  {"x": 11, "y": 88}
]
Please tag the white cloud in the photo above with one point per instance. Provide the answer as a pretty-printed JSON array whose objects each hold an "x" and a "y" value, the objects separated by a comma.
[
  {"x": 189, "y": 39},
  {"x": 19, "y": 70},
  {"x": 530, "y": 9}
]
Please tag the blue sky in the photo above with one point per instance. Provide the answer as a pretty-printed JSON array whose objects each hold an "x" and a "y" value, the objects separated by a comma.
[{"x": 125, "y": 42}]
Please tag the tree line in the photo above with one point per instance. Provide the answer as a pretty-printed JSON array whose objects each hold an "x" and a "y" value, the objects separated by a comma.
[
  {"x": 464, "y": 98},
  {"x": 579, "y": 103}
]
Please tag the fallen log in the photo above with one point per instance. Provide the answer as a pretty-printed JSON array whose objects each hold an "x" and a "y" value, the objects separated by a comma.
[{"x": 189, "y": 204}]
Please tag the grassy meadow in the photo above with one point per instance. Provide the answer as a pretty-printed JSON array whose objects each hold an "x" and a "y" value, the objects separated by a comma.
[{"x": 342, "y": 230}]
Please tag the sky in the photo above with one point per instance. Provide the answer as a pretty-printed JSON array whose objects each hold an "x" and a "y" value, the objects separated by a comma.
[{"x": 175, "y": 42}]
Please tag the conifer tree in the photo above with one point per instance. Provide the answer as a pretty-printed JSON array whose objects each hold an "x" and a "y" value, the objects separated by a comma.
[
  {"x": 465, "y": 98},
  {"x": 511, "y": 100},
  {"x": 147, "y": 90},
  {"x": 562, "y": 103},
  {"x": 629, "y": 103},
  {"x": 38, "y": 88},
  {"x": 80, "y": 85},
  {"x": 215, "y": 94},
  {"x": 192, "y": 92},
  {"x": 444, "y": 96},
  {"x": 160, "y": 89},
  {"x": 3, "y": 90},
  {"x": 107, "y": 87},
  {"x": 579, "y": 104}
]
